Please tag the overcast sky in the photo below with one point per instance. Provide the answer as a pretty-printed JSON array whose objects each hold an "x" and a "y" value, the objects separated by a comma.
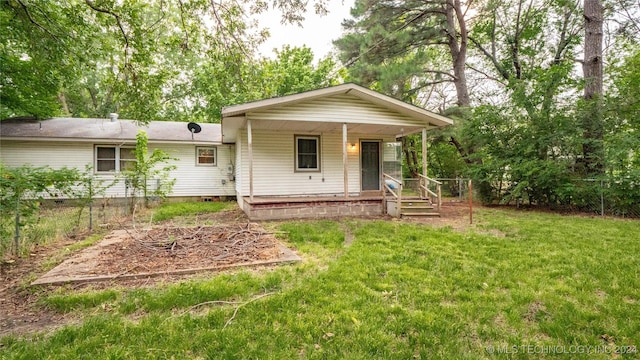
[{"x": 317, "y": 31}]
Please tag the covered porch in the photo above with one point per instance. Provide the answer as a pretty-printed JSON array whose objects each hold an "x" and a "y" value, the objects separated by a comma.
[{"x": 326, "y": 153}]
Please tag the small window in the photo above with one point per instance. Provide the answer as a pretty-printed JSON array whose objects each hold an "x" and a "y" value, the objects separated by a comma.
[
  {"x": 307, "y": 153},
  {"x": 127, "y": 158},
  {"x": 206, "y": 156},
  {"x": 111, "y": 159},
  {"x": 106, "y": 159}
]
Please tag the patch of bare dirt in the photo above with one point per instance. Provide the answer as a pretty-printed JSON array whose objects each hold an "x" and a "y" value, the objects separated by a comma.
[
  {"x": 535, "y": 312},
  {"x": 456, "y": 215},
  {"x": 18, "y": 311},
  {"x": 453, "y": 214}
]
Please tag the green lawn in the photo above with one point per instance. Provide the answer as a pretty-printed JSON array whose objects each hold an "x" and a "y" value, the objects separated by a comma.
[
  {"x": 168, "y": 211},
  {"x": 402, "y": 291}
]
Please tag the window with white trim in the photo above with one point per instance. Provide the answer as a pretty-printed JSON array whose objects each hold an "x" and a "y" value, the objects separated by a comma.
[
  {"x": 206, "y": 156},
  {"x": 112, "y": 159},
  {"x": 307, "y": 153}
]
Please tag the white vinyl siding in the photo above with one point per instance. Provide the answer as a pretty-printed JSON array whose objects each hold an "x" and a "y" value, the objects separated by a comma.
[
  {"x": 194, "y": 180},
  {"x": 53, "y": 154},
  {"x": 191, "y": 180},
  {"x": 274, "y": 154},
  {"x": 337, "y": 108},
  {"x": 274, "y": 170},
  {"x": 239, "y": 171},
  {"x": 239, "y": 163}
]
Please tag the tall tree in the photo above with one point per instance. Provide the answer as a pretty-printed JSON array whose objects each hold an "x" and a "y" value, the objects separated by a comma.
[
  {"x": 91, "y": 57},
  {"x": 402, "y": 48},
  {"x": 405, "y": 49},
  {"x": 622, "y": 126},
  {"x": 592, "y": 122},
  {"x": 457, "y": 40},
  {"x": 292, "y": 71}
]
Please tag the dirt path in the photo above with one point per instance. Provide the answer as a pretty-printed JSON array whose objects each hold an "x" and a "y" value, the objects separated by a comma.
[{"x": 18, "y": 310}]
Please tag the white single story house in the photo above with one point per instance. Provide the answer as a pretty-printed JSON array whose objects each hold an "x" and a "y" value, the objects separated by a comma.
[
  {"x": 204, "y": 166},
  {"x": 320, "y": 153}
]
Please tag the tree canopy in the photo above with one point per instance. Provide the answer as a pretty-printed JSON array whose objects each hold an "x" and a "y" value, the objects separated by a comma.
[
  {"x": 147, "y": 60},
  {"x": 529, "y": 121}
]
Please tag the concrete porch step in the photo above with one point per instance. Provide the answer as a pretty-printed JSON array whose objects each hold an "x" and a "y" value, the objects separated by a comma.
[
  {"x": 418, "y": 207},
  {"x": 417, "y": 204},
  {"x": 421, "y": 214}
]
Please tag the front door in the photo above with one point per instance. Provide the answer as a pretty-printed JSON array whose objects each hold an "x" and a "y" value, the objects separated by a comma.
[{"x": 370, "y": 165}]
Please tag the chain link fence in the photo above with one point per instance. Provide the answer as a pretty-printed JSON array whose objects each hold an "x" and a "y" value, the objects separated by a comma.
[
  {"x": 74, "y": 214},
  {"x": 60, "y": 218},
  {"x": 588, "y": 196},
  {"x": 453, "y": 190},
  {"x": 604, "y": 198},
  {"x": 581, "y": 196}
]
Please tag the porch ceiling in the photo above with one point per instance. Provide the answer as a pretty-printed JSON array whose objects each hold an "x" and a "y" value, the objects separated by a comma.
[
  {"x": 316, "y": 127},
  {"x": 232, "y": 125}
]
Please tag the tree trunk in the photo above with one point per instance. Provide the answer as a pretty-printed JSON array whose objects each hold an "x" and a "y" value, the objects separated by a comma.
[
  {"x": 458, "y": 48},
  {"x": 63, "y": 102},
  {"x": 458, "y": 43},
  {"x": 592, "y": 122},
  {"x": 411, "y": 156}
]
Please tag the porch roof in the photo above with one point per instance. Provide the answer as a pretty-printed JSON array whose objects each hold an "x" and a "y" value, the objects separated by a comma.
[{"x": 289, "y": 113}]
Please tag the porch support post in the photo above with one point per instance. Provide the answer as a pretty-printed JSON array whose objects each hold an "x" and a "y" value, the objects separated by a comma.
[
  {"x": 424, "y": 152},
  {"x": 344, "y": 160},
  {"x": 250, "y": 149}
]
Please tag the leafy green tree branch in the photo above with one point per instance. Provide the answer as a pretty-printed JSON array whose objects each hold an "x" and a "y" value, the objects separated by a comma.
[
  {"x": 23, "y": 187},
  {"x": 148, "y": 167}
]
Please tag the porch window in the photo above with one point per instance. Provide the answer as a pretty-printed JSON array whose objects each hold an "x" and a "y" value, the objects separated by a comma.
[
  {"x": 307, "y": 153},
  {"x": 206, "y": 156},
  {"x": 111, "y": 159}
]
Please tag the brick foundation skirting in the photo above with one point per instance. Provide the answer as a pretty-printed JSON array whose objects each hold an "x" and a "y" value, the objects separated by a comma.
[{"x": 313, "y": 210}]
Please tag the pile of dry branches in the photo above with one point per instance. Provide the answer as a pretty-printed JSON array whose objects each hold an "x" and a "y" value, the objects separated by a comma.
[
  {"x": 172, "y": 248},
  {"x": 239, "y": 241}
]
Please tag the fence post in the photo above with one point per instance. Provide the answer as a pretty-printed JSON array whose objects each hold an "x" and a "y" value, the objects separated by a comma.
[
  {"x": 601, "y": 197},
  {"x": 470, "y": 202},
  {"x": 91, "y": 204},
  {"x": 399, "y": 200},
  {"x": 16, "y": 239},
  {"x": 385, "y": 207},
  {"x": 126, "y": 197}
]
